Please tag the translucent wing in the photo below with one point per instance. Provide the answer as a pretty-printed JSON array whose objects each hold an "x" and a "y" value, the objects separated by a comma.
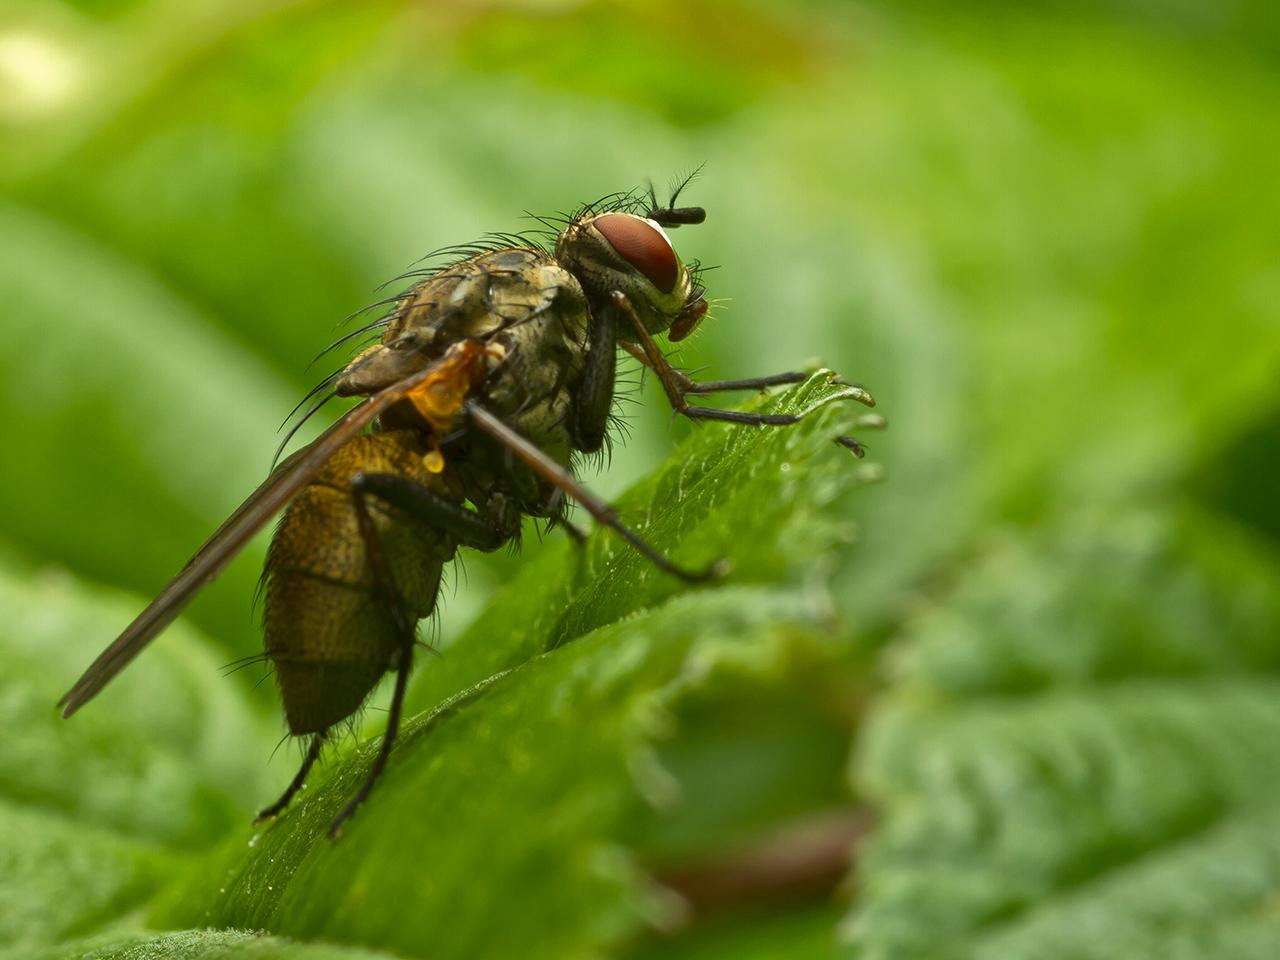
[{"x": 229, "y": 539}]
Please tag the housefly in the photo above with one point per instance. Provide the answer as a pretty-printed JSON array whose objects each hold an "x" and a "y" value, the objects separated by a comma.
[{"x": 489, "y": 376}]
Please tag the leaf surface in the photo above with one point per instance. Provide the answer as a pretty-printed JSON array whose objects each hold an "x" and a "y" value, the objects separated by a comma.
[
  {"x": 1123, "y": 779},
  {"x": 536, "y": 764}
]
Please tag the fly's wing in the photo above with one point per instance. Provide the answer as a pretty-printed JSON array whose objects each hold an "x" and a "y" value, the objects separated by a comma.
[{"x": 229, "y": 539}]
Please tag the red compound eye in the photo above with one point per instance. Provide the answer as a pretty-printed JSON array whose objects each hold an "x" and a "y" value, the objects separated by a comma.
[{"x": 643, "y": 246}]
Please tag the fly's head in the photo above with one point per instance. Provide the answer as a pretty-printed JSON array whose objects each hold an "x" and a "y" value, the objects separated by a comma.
[{"x": 624, "y": 252}]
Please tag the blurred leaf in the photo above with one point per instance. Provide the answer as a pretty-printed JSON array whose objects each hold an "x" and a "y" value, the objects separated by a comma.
[
  {"x": 1045, "y": 237},
  {"x": 1090, "y": 748},
  {"x": 803, "y": 933},
  {"x": 187, "y": 167},
  {"x": 130, "y": 454},
  {"x": 1240, "y": 478},
  {"x": 1042, "y": 239},
  {"x": 100, "y": 811},
  {"x": 60, "y": 877},
  {"x": 1111, "y": 598},
  {"x": 658, "y": 53},
  {"x": 753, "y": 752},
  {"x": 170, "y": 756},
  {"x": 1212, "y": 895}
]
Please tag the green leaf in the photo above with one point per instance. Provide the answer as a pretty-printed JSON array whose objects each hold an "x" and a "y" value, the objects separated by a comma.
[
  {"x": 1212, "y": 895},
  {"x": 60, "y": 877},
  {"x": 799, "y": 933},
  {"x": 196, "y": 945},
  {"x": 759, "y": 498},
  {"x": 520, "y": 787},
  {"x": 144, "y": 441},
  {"x": 100, "y": 811},
  {"x": 1089, "y": 730}
]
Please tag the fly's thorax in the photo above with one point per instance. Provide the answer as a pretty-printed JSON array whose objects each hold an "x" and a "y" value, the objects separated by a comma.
[
  {"x": 476, "y": 298},
  {"x": 543, "y": 356},
  {"x": 628, "y": 254}
]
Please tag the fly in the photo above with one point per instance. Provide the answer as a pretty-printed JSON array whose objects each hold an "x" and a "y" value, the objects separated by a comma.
[{"x": 490, "y": 375}]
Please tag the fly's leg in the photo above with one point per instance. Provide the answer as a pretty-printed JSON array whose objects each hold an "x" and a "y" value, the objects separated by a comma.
[
  {"x": 677, "y": 386},
  {"x": 560, "y": 518},
  {"x": 593, "y": 397},
  {"x": 560, "y": 478},
  {"x": 385, "y": 585},
  {"x": 868, "y": 421},
  {"x": 469, "y": 528},
  {"x": 384, "y": 751},
  {"x": 465, "y": 526},
  {"x": 592, "y": 401},
  {"x": 313, "y": 754},
  {"x": 684, "y": 385}
]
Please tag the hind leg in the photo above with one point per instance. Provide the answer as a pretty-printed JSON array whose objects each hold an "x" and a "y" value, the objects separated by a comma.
[
  {"x": 384, "y": 750},
  {"x": 308, "y": 761},
  {"x": 384, "y": 487}
]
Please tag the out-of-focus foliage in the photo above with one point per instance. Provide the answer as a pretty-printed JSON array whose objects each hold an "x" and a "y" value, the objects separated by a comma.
[
  {"x": 1122, "y": 779},
  {"x": 1044, "y": 237}
]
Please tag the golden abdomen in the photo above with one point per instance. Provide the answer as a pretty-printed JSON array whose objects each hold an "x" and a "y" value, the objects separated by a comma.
[{"x": 329, "y": 629}]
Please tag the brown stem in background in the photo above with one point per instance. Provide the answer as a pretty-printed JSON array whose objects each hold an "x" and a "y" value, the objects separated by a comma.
[{"x": 801, "y": 860}]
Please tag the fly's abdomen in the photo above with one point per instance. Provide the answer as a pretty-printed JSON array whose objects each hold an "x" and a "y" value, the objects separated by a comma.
[{"x": 329, "y": 627}]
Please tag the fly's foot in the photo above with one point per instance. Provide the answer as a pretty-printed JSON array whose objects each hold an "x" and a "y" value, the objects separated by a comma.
[
  {"x": 853, "y": 446},
  {"x": 869, "y": 421},
  {"x": 269, "y": 814}
]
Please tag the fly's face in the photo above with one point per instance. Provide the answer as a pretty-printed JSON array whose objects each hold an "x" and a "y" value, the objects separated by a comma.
[{"x": 625, "y": 253}]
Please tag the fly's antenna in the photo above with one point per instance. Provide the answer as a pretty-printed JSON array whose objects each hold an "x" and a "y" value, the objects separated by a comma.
[
  {"x": 688, "y": 178},
  {"x": 671, "y": 215}
]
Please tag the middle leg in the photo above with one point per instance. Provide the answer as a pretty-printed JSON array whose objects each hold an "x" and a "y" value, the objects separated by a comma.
[
  {"x": 308, "y": 761},
  {"x": 403, "y": 624},
  {"x": 559, "y": 477}
]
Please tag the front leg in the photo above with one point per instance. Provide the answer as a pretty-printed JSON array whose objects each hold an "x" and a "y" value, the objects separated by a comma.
[
  {"x": 683, "y": 385},
  {"x": 677, "y": 386},
  {"x": 593, "y": 396},
  {"x": 558, "y": 476}
]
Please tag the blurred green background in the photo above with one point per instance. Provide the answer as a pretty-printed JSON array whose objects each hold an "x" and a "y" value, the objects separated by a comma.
[{"x": 1045, "y": 238}]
